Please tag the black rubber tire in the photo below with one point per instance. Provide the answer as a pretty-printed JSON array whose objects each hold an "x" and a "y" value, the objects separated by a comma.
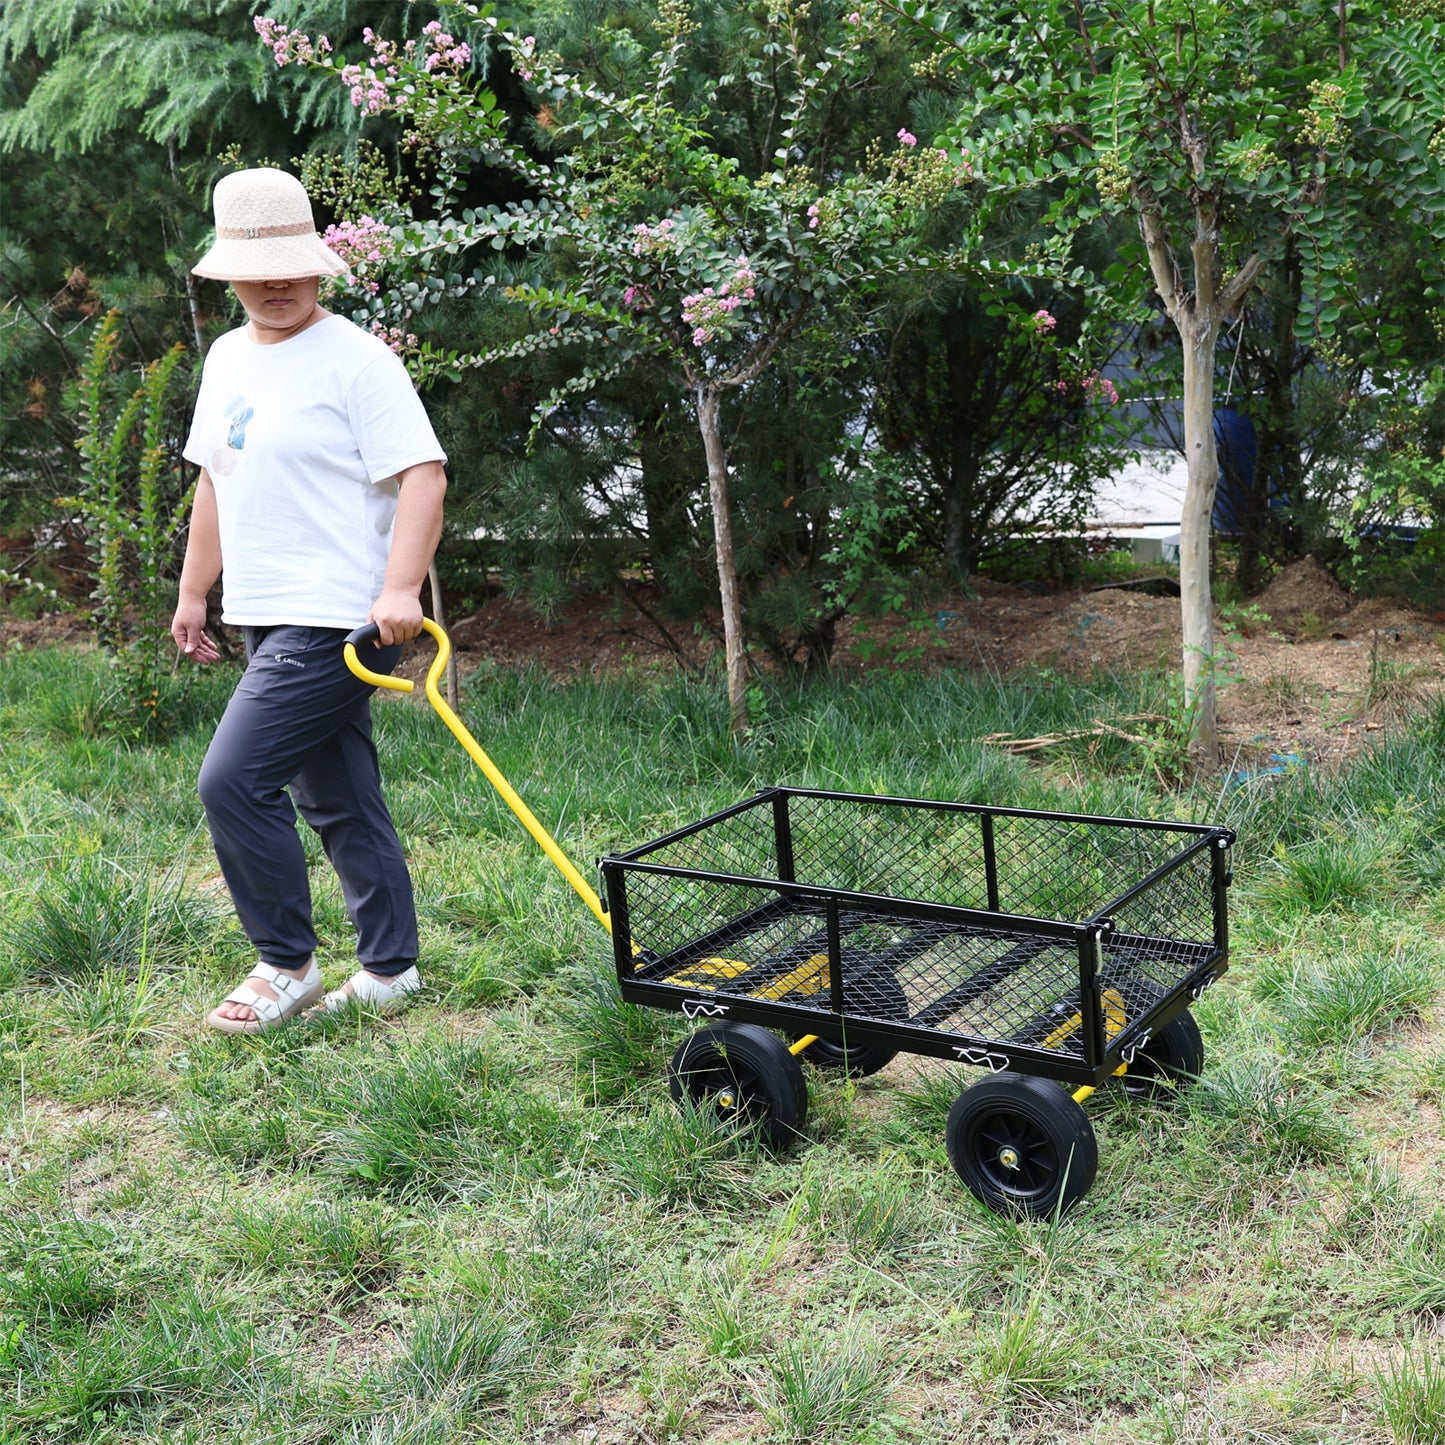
[
  {"x": 747, "y": 1077},
  {"x": 1171, "y": 1061},
  {"x": 858, "y": 1061},
  {"x": 1022, "y": 1146}
]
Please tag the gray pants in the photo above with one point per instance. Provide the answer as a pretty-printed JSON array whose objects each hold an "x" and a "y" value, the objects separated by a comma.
[{"x": 300, "y": 719}]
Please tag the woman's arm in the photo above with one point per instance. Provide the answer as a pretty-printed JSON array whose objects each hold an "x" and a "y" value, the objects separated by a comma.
[
  {"x": 198, "y": 574},
  {"x": 418, "y": 529}
]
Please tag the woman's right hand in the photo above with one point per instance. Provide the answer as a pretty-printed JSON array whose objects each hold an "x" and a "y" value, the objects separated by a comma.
[{"x": 188, "y": 627}]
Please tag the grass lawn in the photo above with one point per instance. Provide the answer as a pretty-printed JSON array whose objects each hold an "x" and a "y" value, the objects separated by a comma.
[{"x": 485, "y": 1220}]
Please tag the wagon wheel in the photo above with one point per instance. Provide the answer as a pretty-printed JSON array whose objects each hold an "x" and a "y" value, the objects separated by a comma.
[
  {"x": 746, "y": 1076},
  {"x": 886, "y": 1000},
  {"x": 1171, "y": 1059},
  {"x": 1022, "y": 1146}
]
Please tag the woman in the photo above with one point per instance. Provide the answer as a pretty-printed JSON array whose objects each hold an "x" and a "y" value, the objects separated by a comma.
[{"x": 319, "y": 505}]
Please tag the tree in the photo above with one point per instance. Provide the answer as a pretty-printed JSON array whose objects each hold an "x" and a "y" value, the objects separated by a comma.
[
  {"x": 1001, "y": 429},
  {"x": 645, "y": 247},
  {"x": 1230, "y": 133}
]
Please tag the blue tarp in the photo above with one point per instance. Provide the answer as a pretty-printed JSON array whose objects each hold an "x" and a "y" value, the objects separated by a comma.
[{"x": 1238, "y": 448}]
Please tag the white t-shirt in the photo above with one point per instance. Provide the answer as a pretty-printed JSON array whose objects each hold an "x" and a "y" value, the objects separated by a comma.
[{"x": 304, "y": 439}]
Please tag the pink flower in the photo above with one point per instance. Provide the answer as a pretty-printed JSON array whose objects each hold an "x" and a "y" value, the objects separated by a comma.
[
  {"x": 444, "y": 51},
  {"x": 1043, "y": 321},
  {"x": 362, "y": 240},
  {"x": 710, "y": 310},
  {"x": 400, "y": 341},
  {"x": 288, "y": 45},
  {"x": 906, "y": 137}
]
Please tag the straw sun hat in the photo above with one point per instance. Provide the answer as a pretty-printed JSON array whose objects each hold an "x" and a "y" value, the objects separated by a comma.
[{"x": 265, "y": 231}]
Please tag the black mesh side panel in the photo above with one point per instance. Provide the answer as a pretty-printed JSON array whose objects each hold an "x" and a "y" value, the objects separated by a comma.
[
  {"x": 1047, "y": 867},
  {"x": 898, "y": 851},
  {"x": 1164, "y": 934},
  {"x": 744, "y": 843},
  {"x": 666, "y": 914},
  {"x": 1050, "y": 868}
]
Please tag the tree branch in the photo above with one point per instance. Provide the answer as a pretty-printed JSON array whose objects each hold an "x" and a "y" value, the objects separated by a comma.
[
  {"x": 753, "y": 363},
  {"x": 1089, "y": 40},
  {"x": 1162, "y": 264},
  {"x": 1239, "y": 285}
]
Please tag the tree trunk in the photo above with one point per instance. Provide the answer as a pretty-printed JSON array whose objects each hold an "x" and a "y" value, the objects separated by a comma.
[
  {"x": 439, "y": 617},
  {"x": 1195, "y": 601},
  {"x": 665, "y": 460},
  {"x": 960, "y": 540},
  {"x": 193, "y": 303},
  {"x": 1197, "y": 319},
  {"x": 727, "y": 570}
]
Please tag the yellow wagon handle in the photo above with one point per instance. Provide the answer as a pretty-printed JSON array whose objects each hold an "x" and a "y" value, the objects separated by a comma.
[{"x": 371, "y": 633}]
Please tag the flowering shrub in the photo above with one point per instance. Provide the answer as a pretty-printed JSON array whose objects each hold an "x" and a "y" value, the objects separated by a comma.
[
  {"x": 653, "y": 242},
  {"x": 707, "y": 296},
  {"x": 710, "y": 311},
  {"x": 400, "y": 341},
  {"x": 288, "y": 45},
  {"x": 1094, "y": 386},
  {"x": 373, "y": 86}
]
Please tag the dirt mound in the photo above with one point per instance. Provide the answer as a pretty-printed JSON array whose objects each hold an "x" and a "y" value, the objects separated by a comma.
[
  {"x": 1303, "y": 587},
  {"x": 1110, "y": 629},
  {"x": 1387, "y": 620}
]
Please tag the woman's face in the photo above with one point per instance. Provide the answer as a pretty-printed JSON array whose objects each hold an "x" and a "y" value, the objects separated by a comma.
[{"x": 279, "y": 309}]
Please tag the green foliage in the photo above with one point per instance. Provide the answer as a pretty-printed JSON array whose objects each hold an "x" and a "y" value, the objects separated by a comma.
[
  {"x": 825, "y": 1389},
  {"x": 873, "y": 540},
  {"x": 99, "y": 915},
  {"x": 1236, "y": 137},
  {"x": 133, "y": 502},
  {"x": 1397, "y": 535},
  {"x": 994, "y": 412},
  {"x": 163, "y": 74}
]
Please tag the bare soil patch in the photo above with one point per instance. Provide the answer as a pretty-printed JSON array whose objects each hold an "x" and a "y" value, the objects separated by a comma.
[{"x": 1309, "y": 673}]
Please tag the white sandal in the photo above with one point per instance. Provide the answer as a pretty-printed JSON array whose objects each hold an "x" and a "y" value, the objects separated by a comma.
[
  {"x": 381, "y": 995},
  {"x": 293, "y": 994}
]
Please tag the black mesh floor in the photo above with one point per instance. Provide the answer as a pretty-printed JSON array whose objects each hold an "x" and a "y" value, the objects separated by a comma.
[{"x": 996, "y": 985}]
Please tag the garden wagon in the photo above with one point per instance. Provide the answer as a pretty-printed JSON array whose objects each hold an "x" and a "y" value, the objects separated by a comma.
[{"x": 1048, "y": 948}]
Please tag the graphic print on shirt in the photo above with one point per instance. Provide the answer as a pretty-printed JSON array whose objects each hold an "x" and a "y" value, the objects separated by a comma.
[{"x": 224, "y": 460}]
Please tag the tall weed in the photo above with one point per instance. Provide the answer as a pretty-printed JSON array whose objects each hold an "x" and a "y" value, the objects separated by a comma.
[
  {"x": 101, "y": 913},
  {"x": 1412, "y": 1397},
  {"x": 132, "y": 502},
  {"x": 821, "y": 1389}
]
